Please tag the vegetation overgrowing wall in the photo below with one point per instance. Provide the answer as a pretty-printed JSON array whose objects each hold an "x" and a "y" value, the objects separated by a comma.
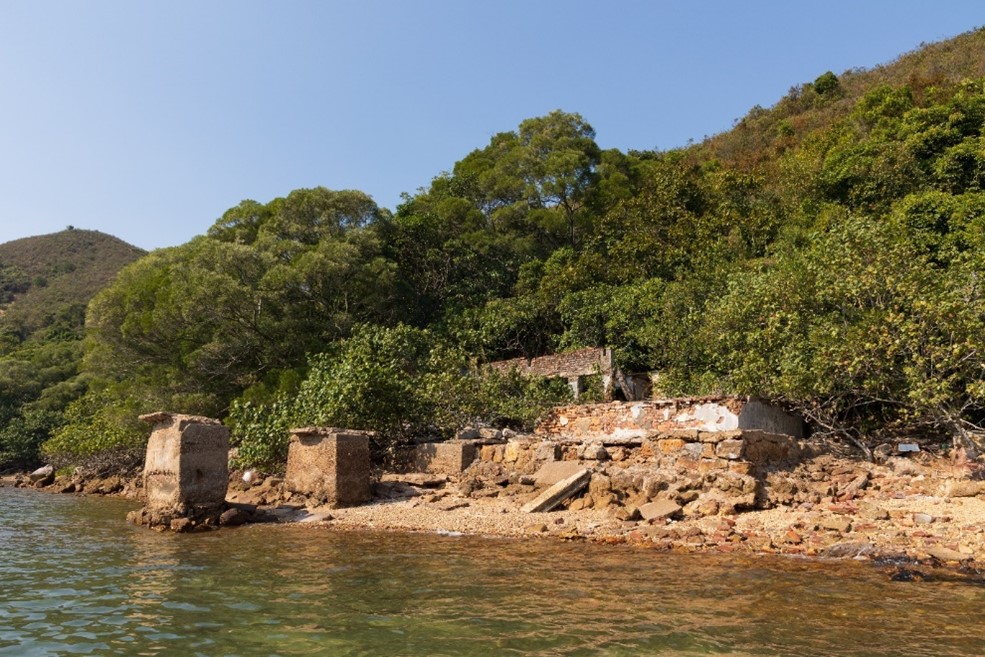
[{"x": 827, "y": 253}]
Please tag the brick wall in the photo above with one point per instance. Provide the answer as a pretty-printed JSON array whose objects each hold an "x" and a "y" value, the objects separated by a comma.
[{"x": 624, "y": 420}]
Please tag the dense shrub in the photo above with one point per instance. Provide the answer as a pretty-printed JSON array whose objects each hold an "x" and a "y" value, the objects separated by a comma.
[{"x": 400, "y": 383}]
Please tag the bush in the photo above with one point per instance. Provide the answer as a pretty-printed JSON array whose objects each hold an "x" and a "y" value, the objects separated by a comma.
[
  {"x": 21, "y": 438},
  {"x": 98, "y": 429},
  {"x": 401, "y": 383},
  {"x": 862, "y": 332}
]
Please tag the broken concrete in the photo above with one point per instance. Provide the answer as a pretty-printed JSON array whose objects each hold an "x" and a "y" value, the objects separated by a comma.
[
  {"x": 331, "y": 465},
  {"x": 447, "y": 458},
  {"x": 559, "y": 492},
  {"x": 185, "y": 473}
]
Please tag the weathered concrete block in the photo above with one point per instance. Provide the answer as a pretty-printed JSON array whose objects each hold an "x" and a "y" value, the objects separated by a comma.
[
  {"x": 438, "y": 458},
  {"x": 559, "y": 492},
  {"x": 331, "y": 464},
  {"x": 552, "y": 472},
  {"x": 187, "y": 461}
]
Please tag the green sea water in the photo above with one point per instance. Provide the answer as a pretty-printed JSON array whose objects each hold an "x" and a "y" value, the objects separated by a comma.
[{"x": 76, "y": 580}]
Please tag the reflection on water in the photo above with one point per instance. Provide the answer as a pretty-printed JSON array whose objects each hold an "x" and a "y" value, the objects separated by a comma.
[{"x": 75, "y": 579}]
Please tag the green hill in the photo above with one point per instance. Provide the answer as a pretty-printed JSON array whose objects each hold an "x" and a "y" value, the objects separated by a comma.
[
  {"x": 45, "y": 277},
  {"x": 763, "y": 134},
  {"x": 827, "y": 253},
  {"x": 46, "y": 282}
]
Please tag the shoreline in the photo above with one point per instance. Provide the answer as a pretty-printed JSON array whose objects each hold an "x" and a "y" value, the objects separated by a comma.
[{"x": 920, "y": 518}]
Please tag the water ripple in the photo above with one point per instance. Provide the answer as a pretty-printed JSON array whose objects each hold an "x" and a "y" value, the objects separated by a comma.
[{"x": 77, "y": 580}]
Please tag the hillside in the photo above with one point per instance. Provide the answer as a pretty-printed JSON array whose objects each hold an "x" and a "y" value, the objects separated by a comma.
[
  {"x": 763, "y": 134},
  {"x": 827, "y": 253},
  {"x": 46, "y": 283},
  {"x": 46, "y": 276}
]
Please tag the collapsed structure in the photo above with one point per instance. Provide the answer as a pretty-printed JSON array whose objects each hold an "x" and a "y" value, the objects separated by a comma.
[{"x": 699, "y": 456}]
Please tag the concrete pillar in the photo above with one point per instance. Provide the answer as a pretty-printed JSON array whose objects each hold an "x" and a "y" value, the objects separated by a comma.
[
  {"x": 575, "y": 383},
  {"x": 329, "y": 464},
  {"x": 186, "y": 471}
]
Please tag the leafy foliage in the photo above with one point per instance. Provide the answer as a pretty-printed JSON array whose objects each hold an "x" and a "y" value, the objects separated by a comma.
[
  {"x": 825, "y": 252},
  {"x": 400, "y": 383},
  {"x": 45, "y": 283}
]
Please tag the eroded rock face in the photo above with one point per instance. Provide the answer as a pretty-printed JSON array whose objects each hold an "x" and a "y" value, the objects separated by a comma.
[{"x": 186, "y": 472}]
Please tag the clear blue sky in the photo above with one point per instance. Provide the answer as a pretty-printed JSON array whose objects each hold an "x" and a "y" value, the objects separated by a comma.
[{"x": 148, "y": 120}]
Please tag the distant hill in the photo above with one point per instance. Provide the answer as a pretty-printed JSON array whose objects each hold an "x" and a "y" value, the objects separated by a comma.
[
  {"x": 46, "y": 276},
  {"x": 765, "y": 133}
]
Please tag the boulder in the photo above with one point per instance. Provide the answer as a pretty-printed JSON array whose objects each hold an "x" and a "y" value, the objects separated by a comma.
[
  {"x": 43, "y": 476},
  {"x": 660, "y": 509}
]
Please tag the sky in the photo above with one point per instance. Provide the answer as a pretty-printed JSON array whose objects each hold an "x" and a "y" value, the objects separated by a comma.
[{"x": 148, "y": 120}]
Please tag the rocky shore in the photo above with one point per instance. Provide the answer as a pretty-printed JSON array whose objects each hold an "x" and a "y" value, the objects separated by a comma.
[{"x": 920, "y": 508}]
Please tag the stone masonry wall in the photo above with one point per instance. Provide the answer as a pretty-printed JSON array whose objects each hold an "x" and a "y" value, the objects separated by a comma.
[
  {"x": 695, "y": 472},
  {"x": 582, "y": 362},
  {"x": 617, "y": 421}
]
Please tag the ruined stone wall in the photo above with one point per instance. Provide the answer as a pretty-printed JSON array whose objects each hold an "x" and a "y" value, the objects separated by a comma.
[
  {"x": 582, "y": 362},
  {"x": 437, "y": 458},
  {"x": 691, "y": 472},
  {"x": 616, "y": 421},
  {"x": 698, "y": 451}
]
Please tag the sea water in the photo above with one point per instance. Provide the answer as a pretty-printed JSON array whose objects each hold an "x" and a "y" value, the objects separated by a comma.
[{"x": 75, "y": 579}]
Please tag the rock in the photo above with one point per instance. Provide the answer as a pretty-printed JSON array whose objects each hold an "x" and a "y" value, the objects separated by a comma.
[
  {"x": 923, "y": 518},
  {"x": 731, "y": 449},
  {"x": 836, "y": 523},
  {"x": 618, "y": 454},
  {"x": 901, "y": 574},
  {"x": 489, "y": 433},
  {"x": 599, "y": 484},
  {"x": 233, "y": 517},
  {"x": 511, "y": 452},
  {"x": 962, "y": 488},
  {"x": 849, "y": 550},
  {"x": 559, "y": 492},
  {"x": 468, "y": 486},
  {"x": 182, "y": 525},
  {"x": 251, "y": 477},
  {"x": 882, "y": 452},
  {"x": 706, "y": 507},
  {"x": 42, "y": 473},
  {"x": 604, "y": 500},
  {"x": 451, "y": 505},
  {"x": 469, "y": 433},
  {"x": 595, "y": 452},
  {"x": 660, "y": 509},
  {"x": 628, "y": 513},
  {"x": 853, "y": 488},
  {"x": 547, "y": 451},
  {"x": 946, "y": 554},
  {"x": 902, "y": 466},
  {"x": 791, "y": 536}
]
